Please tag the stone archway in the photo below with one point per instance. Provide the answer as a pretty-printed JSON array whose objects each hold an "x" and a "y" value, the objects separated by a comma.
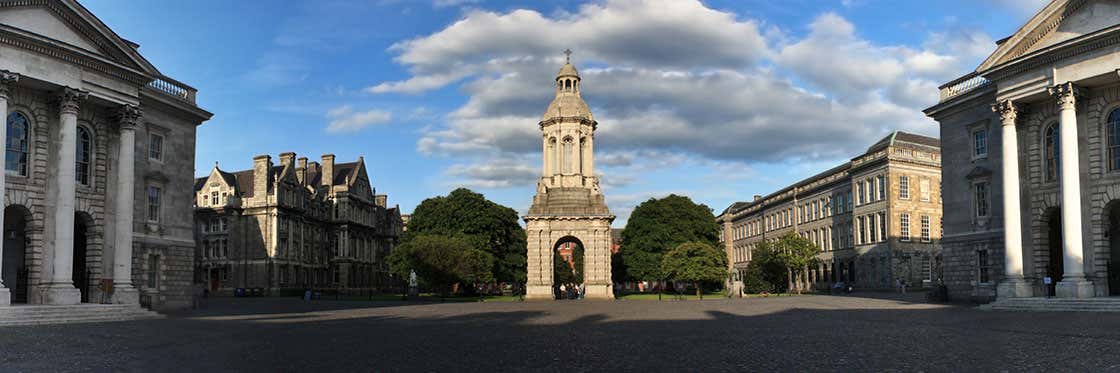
[
  {"x": 568, "y": 267},
  {"x": 16, "y": 271}
]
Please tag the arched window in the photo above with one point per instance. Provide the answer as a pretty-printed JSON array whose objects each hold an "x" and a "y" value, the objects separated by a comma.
[
  {"x": 1050, "y": 152},
  {"x": 1114, "y": 140},
  {"x": 568, "y": 156},
  {"x": 16, "y": 158},
  {"x": 83, "y": 156}
]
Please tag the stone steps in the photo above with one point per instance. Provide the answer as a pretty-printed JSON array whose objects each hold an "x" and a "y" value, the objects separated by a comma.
[
  {"x": 84, "y": 313},
  {"x": 1056, "y": 304}
]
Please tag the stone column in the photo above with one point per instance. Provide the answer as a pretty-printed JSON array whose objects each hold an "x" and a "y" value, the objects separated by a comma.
[
  {"x": 1073, "y": 283},
  {"x": 7, "y": 81},
  {"x": 1012, "y": 285},
  {"x": 60, "y": 289},
  {"x": 544, "y": 156},
  {"x": 589, "y": 157},
  {"x": 128, "y": 117}
]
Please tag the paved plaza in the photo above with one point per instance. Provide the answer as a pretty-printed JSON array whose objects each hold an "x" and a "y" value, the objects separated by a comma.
[{"x": 819, "y": 333}]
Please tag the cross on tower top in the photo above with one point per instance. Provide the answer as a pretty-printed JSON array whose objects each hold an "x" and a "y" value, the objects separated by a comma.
[{"x": 568, "y": 55}]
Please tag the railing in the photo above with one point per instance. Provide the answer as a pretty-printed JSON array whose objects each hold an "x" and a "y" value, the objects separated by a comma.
[
  {"x": 963, "y": 85},
  {"x": 173, "y": 88}
]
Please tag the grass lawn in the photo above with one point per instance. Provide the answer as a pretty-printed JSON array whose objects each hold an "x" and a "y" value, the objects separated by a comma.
[
  {"x": 425, "y": 297},
  {"x": 709, "y": 296}
]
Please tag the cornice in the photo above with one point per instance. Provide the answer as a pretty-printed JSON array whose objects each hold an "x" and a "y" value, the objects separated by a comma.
[
  {"x": 75, "y": 22},
  {"x": 581, "y": 119},
  {"x": 1079, "y": 46},
  {"x": 12, "y": 37}
]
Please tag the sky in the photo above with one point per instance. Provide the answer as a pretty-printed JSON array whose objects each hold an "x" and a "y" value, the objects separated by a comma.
[{"x": 715, "y": 100}]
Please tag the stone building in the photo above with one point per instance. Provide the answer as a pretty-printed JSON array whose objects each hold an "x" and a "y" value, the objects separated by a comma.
[
  {"x": 568, "y": 208},
  {"x": 1033, "y": 167},
  {"x": 875, "y": 219},
  {"x": 292, "y": 226},
  {"x": 100, "y": 153}
]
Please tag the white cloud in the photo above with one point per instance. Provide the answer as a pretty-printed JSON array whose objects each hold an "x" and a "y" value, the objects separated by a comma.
[
  {"x": 345, "y": 119},
  {"x": 672, "y": 83}
]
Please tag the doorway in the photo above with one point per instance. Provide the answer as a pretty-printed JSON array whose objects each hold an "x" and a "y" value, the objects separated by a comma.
[
  {"x": 1055, "y": 264},
  {"x": 81, "y": 274},
  {"x": 1113, "y": 232},
  {"x": 15, "y": 272}
]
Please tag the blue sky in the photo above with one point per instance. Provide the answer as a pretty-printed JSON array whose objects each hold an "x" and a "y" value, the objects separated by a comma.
[{"x": 717, "y": 100}]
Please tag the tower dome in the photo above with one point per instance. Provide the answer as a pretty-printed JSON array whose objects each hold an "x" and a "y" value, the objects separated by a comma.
[{"x": 568, "y": 103}]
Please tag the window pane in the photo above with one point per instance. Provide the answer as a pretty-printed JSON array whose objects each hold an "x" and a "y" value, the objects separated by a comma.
[{"x": 16, "y": 158}]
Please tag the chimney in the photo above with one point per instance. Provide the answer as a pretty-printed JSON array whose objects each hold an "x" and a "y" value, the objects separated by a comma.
[
  {"x": 261, "y": 166},
  {"x": 287, "y": 158},
  {"x": 301, "y": 170},
  {"x": 381, "y": 200},
  {"x": 757, "y": 197},
  {"x": 328, "y": 170}
]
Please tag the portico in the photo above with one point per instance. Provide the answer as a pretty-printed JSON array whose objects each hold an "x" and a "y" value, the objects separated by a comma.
[
  {"x": 1049, "y": 96},
  {"x": 75, "y": 96}
]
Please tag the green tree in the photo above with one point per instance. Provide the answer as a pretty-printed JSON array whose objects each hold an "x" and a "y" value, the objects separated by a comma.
[
  {"x": 766, "y": 271},
  {"x": 488, "y": 226},
  {"x": 441, "y": 261},
  {"x": 695, "y": 262},
  {"x": 658, "y": 225},
  {"x": 797, "y": 253}
]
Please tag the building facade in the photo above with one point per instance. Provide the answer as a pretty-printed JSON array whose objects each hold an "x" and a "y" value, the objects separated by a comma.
[
  {"x": 568, "y": 208},
  {"x": 876, "y": 219},
  {"x": 99, "y": 146},
  {"x": 292, "y": 226},
  {"x": 1033, "y": 138}
]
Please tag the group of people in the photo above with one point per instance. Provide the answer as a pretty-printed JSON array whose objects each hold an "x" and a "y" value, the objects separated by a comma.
[{"x": 570, "y": 292}]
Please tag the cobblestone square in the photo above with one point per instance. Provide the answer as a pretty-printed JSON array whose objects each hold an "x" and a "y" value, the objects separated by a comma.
[{"x": 814, "y": 333}]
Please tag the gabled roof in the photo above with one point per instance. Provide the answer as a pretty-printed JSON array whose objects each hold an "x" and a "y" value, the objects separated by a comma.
[
  {"x": 72, "y": 24},
  {"x": 899, "y": 137},
  {"x": 1057, "y": 22}
]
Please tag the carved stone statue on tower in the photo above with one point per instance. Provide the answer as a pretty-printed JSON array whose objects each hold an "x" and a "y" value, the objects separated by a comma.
[{"x": 569, "y": 206}]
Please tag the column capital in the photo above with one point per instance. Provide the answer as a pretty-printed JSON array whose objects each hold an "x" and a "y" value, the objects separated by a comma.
[
  {"x": 7, "y": 80},
  {"x": 70, "y": 100},
  {"x": 1008, "y": 111},
  {"x": 128, "y": 117},
  {"x": 1066, "y": 93}
]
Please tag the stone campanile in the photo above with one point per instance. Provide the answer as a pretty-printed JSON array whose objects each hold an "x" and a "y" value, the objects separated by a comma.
[{"x": 568, "y": 208}]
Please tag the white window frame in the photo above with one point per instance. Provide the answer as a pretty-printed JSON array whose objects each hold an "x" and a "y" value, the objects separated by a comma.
[
  {"x": 159, "y": 153},
  {"x": 904, "y": 187},
  {"x": 904, "y": 227},
  {"x": 926, "y": 228}
]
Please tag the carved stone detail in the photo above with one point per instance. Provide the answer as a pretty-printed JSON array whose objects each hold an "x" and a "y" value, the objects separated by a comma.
[{"x": 71, "y": 99}]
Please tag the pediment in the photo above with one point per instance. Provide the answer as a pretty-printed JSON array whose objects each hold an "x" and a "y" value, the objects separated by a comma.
[
  {"x": 68, "y": 22},
  {"x": 1057, "y": 22},
  {"x": 978, "y": 172}
]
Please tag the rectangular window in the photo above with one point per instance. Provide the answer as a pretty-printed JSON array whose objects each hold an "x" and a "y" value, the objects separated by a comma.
[
  {"x": 923, "y": 189},
  {"x": 903, "y": 187},
  {"x": 153, "y": 272},
  {"x": 882, "y": 187},
  {"x": 862, "y": 231},
  {"x": 882, "y": 226},
  {"x": 904, "y": 227},
  {"x": 925, "y": 228},
  {"x": 155, "y": 147},
  {"x": 849, "y": 201},
  {"x": 982, "y": 266},
  {"x": 981, "y": 199},
  {"x": 859, "y": 194},
  {"x": 153, "y": 203},
  {"x": 980, "y": 143},
  {"x": 214, "y": 198}
]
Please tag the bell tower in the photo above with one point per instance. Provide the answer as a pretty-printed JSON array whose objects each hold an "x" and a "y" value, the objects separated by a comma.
[{"x": 569, "y": 206}]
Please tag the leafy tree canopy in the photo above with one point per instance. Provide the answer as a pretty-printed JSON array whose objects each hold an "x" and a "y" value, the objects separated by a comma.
[
  {"x": 695, "y": 262},
  {"x": 442, "y": 260},
  {"x": 658, "y": 225},
  {"x": 488, "y": 226}
]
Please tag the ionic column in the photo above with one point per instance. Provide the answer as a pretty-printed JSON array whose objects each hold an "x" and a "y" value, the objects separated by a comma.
[
  {"x": 61, "y": 288},
  {"x": 7, "y": 81},
  {"x": 1012, "y": 285},
  {"x": 128, "y": 117},
  {"x": 1073, "y": 283}
]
